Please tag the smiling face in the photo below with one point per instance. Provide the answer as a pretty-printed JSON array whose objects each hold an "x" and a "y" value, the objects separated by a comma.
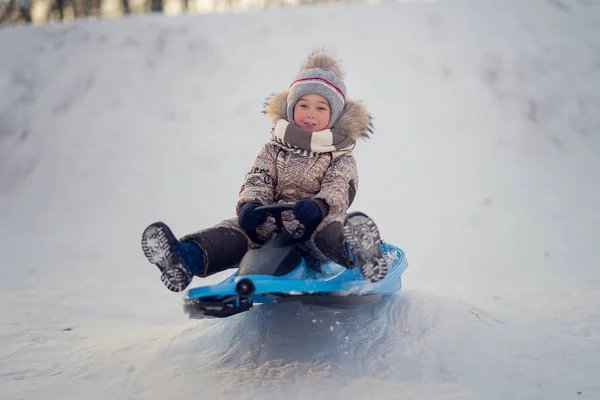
[{"x": 312, "y": 112}]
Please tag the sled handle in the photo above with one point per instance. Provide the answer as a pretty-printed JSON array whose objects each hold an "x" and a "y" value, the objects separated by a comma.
[{"x": 275, "y": 210}]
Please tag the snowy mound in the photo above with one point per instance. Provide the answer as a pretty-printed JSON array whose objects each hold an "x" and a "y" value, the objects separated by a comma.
[{"x": 483, "y": 167}]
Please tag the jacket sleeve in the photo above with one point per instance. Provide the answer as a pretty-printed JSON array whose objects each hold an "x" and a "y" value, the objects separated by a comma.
[
  {"x": 259, "y": 184},
  {"x": 339, "y": 184}
]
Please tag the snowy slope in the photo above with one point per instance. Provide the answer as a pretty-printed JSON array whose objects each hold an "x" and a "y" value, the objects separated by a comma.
[{"x": 484, "y": 168}]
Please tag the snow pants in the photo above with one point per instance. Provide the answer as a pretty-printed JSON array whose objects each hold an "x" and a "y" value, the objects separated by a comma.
[{"x": 225, "y": 244}]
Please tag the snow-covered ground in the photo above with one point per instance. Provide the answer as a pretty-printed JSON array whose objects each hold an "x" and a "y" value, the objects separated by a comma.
[{"x": 485, "y": 169}]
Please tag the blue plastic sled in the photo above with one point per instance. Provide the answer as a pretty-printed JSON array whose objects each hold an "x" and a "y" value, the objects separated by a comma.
[{"x": 277, "y": 272}]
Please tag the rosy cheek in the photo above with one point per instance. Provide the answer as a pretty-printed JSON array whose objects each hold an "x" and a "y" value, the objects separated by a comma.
[{"x": 298, "y": 117}]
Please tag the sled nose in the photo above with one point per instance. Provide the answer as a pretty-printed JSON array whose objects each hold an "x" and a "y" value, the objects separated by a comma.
[{"x": 245, "y": 287}]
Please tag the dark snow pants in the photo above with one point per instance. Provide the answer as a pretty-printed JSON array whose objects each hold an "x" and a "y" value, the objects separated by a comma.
[{"x": 224, "y": 244}]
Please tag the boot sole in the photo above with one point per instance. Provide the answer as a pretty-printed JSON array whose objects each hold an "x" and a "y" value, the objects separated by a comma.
[
  {"x": 158, "y": 244},
  {"x": 362, "y": 236}
]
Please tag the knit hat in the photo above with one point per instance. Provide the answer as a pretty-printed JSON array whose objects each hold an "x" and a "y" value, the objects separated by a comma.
[{"x": 320, "y": 74}]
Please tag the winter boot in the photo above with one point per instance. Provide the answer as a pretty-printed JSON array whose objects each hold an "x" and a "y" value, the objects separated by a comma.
[
  {"x": 178, "y": 261},
  {"x": 363, "y": 244}
]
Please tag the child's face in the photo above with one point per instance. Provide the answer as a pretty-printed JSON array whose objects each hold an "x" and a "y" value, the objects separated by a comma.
[{"x": 312, "y": 112}]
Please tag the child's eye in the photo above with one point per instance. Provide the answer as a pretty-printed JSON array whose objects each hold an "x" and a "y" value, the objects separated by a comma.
[{"x": 322, "y": 109}]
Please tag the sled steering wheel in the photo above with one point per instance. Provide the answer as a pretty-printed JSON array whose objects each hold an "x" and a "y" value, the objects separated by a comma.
[{"x": 275, "y": 210}]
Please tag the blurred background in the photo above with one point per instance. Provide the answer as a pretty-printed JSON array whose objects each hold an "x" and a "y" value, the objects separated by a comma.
[{"x": 40, "y": 11}]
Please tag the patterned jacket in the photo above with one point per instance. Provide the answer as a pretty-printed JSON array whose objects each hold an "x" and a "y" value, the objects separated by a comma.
[{"x": 279, "y": 175}]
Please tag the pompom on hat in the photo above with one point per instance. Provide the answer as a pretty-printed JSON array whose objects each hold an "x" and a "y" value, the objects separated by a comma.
[{"x": 322, "y": 75}]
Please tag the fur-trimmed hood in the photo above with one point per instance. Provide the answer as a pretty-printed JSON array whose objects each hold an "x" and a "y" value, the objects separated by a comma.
[{"x": 354, "y": 121}]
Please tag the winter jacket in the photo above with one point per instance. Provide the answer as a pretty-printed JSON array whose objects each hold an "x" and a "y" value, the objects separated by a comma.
[{"x": 279, "y": 175}]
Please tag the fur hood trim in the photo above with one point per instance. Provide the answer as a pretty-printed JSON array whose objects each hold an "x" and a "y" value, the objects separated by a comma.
[{"x": 355, "y": 122}]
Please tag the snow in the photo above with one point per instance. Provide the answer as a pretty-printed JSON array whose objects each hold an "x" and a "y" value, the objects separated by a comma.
[{"x": 484, "y": 168}]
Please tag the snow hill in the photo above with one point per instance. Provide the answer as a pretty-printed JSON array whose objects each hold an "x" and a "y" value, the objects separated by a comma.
[{"x": 484, "y": 168}]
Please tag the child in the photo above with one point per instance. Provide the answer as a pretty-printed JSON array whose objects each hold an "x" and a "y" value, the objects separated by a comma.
[{"x": 308, "y": 161}]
